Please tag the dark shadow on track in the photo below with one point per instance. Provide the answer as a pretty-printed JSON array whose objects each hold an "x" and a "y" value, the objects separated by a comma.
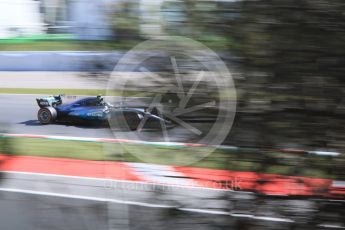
[
  {"x": 66, "y": 124},
  {"x": 30, "y": 123}
]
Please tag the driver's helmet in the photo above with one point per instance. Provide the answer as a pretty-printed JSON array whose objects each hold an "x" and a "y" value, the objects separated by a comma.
[{"x": 100, "y": 99}]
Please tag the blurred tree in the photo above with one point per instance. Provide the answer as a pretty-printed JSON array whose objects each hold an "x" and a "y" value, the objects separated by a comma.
[
  {"x": 6, "y": 148},
  {"x": 125, "y": 18},
  {"x": 5, "y": 142},
  {"x": 199, "y": 20},
  {"x": 294, "y": 56},
  {"x": 292, "y": 60}
]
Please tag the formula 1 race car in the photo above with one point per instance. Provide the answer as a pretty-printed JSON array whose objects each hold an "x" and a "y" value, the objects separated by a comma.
[{"x": 94, "y": 110}]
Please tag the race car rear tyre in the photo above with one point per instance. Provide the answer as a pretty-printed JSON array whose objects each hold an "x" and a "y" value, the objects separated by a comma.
[{"x": 46, "y": 115}]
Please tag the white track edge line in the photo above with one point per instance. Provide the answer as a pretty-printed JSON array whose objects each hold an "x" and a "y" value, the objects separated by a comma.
[
  {"x": 117, "y": 180},
  {"x": 204, "y": 211}
]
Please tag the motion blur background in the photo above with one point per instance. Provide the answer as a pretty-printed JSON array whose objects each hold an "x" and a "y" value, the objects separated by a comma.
[{"x": 286, "y": 58}]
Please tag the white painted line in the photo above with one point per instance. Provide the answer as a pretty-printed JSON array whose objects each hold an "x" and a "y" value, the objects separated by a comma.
[
  {"x": 324, "y": 153},
  {"x": 58, "y": 175},
  {"x": 99, "y": 199},
  {"x": 338, "y": 183},
  {"x": 161, "y": 174},
  {"x": 91, "y": 198},
  {"x": 109, "y": 180},
  {"x": 331, "y": 226},
  {"x": 275, "y": 219}
]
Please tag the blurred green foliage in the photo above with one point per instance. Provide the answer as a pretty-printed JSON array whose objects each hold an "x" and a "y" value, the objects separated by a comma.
[
  {"x": 293, "y": 62},
  {"x": 289, "y": 69},
  {"x": 5, "y": 143},
  {"x": 125, "y": 20},
  {"x": 290, "y": 64},
  {"x": 72, "y": 45}
]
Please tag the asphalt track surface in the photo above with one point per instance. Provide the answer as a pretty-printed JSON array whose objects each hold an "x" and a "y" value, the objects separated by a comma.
[
  {"x": 55, "y": 202},
  {"x": 19, "y": 114},
  {"x": 29, "y": 201},
  {"x": 31, "y": 212},
  {"x": 47, "y": 201},
  {"x": 51, "y": 80},
  {"x": 42, "y": 201}
]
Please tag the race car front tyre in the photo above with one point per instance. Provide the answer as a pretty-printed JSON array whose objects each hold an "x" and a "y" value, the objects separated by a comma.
[
  {"x": 132, "y": 120},
  {"x": 46, "y": 115}
]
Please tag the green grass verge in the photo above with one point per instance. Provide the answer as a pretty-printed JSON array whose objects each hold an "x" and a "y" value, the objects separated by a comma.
[
  {"x": 90, "y": 92},
  {"x": 61, "y": 45},
  {"x": 55, "y": 91},
  {"x": 66, "y": 42},
  {"x": 230, "y": 160},
  {"x": 38, "y": 37}
]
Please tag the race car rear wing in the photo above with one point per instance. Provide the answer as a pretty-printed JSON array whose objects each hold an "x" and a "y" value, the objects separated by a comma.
[{"x": 49, "y": 101}]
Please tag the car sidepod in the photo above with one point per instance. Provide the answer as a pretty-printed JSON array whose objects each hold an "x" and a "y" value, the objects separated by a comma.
[{"x": 97, "y": 113}]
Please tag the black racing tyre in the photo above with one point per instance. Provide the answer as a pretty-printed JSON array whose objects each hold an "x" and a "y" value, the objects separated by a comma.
[
  {"x": 46, "y": 115},
  {"x": 132, "y": 120}
]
